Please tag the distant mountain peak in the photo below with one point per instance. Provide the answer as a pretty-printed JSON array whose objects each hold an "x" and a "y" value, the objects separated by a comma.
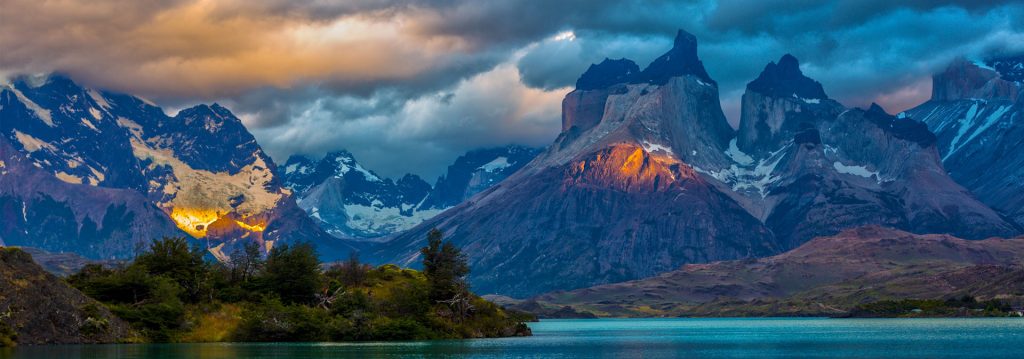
[
  {"x": 214, "y": 110},
  {"x": 784, "y": 79},
  {"x": 902, "y": 128},
  {"x": 608, "y": 72},
  {"x": 679, "y": 61}
]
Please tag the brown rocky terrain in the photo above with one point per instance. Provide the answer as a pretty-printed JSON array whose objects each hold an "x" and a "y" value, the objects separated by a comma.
[
  {"x": 43, "y": 309},
  {"x": 825, "y": 276}
]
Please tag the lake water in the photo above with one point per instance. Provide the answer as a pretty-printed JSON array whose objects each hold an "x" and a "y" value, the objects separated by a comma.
[{"x": 638, "y": 338}]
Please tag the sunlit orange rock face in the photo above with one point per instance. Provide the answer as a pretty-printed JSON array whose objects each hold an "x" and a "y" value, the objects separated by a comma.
[
  {"x": 627, "y": 167},
  {"x": 233, "y": 226}
]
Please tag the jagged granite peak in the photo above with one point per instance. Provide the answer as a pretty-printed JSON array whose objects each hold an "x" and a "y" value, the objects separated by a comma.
[
  {"x": 200, "y": 169},
  {"x": 777, "y": 104},
  {"x": 608, "y": 72},
  {"x": 976, "y": 114},
  {"x": 785, "y": 79},
  {"x": 679, "y": 61}
]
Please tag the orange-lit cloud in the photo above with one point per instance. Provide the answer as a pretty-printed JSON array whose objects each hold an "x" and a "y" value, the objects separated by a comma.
[{"x": 212, "y": 49}]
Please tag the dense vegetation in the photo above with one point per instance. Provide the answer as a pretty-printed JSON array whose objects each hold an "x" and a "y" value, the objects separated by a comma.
[
  {"x": 171, "y": 294},
  {"x": 965, "y": 306}
]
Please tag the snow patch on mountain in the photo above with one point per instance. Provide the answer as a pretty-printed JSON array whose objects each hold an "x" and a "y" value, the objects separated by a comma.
[
  {"x": 377, "y": 218},
  {"x": 808, "y": 100},
  {"x": 975, "y": 119},
  {"x": 496, "y": 164},
  {"x": 738, "y": 155},
  {"x": 100, "y": 100},
  {"x": 855, "y": 170},
  {"x": 653, "y": 147},
  {"x": 32, "y": 144},
  {"x": 346, "y": 164},
  {"x": 749, "y": 177},
  {"x": 40, "y": 113}
]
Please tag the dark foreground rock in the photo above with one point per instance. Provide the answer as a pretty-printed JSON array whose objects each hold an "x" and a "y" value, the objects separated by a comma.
[{"x": 42, "y": 309}]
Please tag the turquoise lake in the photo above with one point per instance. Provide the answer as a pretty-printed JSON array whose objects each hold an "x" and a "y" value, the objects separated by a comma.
[{"x": 638, "y": 338}]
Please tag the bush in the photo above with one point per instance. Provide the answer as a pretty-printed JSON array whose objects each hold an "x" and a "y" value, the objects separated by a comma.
[
  {"x": 386, "y": 328},
  {"x": 8, "y": 337},
  {"x": 273, "y": 321}
]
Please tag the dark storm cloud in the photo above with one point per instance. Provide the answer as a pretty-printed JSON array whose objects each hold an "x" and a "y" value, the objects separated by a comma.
[{"x": 409, "y": 85}]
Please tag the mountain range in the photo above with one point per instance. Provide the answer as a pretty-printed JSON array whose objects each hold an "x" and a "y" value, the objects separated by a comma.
[
  {"x": 350, "y": 201},
  {"x": 647, "y": 175},
  {"x": 101, "y": 174}
]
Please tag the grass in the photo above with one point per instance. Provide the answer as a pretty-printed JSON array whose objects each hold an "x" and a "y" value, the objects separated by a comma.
[{"x": 216, "y": 325}]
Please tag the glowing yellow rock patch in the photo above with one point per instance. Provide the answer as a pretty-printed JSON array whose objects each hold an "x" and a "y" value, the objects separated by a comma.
[
  {"x": 194, "y": 221},
  {"x": 251, "y": 227}
]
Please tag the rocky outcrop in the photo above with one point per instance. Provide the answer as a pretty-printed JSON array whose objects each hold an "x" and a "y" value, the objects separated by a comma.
[
  {"x": 976, "y": 113},
  {"x": 43, "y": 309}
]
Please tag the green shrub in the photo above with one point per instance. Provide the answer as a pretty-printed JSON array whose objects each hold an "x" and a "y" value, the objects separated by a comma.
[
  {"x": 273, "y": 321},
  {"x": 8, "y": 337}
]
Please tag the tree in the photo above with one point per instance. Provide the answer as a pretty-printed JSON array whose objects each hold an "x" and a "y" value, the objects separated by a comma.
[
  {"x": 245, "y": 262},
  {"x": 175, "y": 259},
  {"x": 293, "y": 273},
  {"x": 445, "y": 267},
  {"x": 353, "y": 272}
]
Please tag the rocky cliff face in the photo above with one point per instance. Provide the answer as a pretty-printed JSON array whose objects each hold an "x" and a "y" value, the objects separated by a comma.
[
  {"x": 647, "y": 175},
  {"x": 350, "y": 201},
  {"x": 43, "y": 309},
  {"x": 976, "y": 114},
  {"x": 818, "y": 167},
  {"x": 201, "y": 169}
]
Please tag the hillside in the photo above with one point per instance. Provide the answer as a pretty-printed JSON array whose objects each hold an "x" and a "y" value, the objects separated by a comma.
[
  {"x": 826, "y": 276},
  {"x": 42, "y": 309}
]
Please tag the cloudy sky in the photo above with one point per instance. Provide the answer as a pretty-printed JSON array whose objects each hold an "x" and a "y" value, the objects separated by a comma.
[{"x": 407, "y": 86}]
